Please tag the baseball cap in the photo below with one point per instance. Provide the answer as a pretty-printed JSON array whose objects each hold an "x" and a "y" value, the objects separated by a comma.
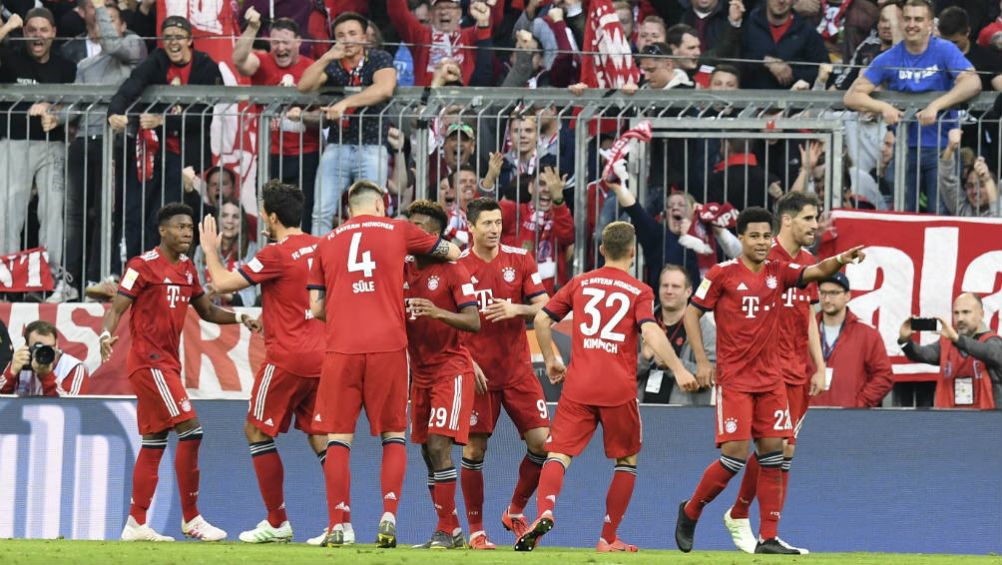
[
  {"x": 433, "y": 2},
  {"x": 461, "y": 128},
  {"x": 658, "y": 49},
  {"x": 840, "y": 279},
  {"x": 176, "y": 21}
]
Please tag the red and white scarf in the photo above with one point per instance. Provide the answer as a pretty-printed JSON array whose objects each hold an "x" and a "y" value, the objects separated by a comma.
[
  {"x": 621, "y": 147},
  {"x": 609, "y": 61}
]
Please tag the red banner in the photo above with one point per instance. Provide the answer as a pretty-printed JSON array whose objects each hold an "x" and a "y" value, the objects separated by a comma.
[
  {"x": 26, "y": 271},
  {"x": 217, "y": 361},
  {"x": 915, "y": 266}
]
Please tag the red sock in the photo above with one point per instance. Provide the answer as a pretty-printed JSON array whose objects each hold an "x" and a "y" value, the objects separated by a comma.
[
  {"x": 471, "y": 478},
  {"x": 786, "y": 477},
  {"x": 749, "y": 486},
  {"x": 551, "y": 480},
  {"x": 444, "y": 497},
  {"x": 617, "y": 499},
  {"x": 270, "y": 476},
  {"x": 528, "y": 479},
  {"x": 186, "y": 467},
  {"x": 337, "y": 480},
  {"x": 145, "y": 476},
  {"x": 393, "y": 468},
  {"x": 770, "y": 493},
  {"x": 714, "y": 481}
]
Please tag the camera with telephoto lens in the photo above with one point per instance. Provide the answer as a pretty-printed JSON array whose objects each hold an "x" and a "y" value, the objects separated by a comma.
[{"x": 43, "y": 354}]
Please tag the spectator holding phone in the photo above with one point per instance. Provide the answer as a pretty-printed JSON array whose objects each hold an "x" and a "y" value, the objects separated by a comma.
[
  {"x": 969, "y": 355},
  {"x": 40, "y": 368}
]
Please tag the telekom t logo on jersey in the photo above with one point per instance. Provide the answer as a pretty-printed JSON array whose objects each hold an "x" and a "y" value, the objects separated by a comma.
[
  {"x": 749, "y": 305},
  {"x": 173, "y": 294}
]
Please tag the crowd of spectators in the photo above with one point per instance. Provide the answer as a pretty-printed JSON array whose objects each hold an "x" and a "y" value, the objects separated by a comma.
[{"x": 523, "y": 155}]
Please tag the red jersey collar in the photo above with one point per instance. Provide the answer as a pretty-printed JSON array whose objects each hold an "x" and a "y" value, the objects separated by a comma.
[{"x": 736, "y": 159}]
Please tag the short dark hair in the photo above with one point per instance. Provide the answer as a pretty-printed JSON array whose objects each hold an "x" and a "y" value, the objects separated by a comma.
[
  {"x": 953, "y": 21},
  {"x": 40, "y": 13},
  {"x": 677, "y": 269},
  {"x": 673, "y": 37},
  {"x": 287, "y": 24},
  {"x": 284, "y": 200},
  {"x": 172, "y": 209},
  {"x": 350, "y": 16},
  {"x": 727, "y": 68},
  {"x": 479, "y": 205},
  {"x": 793, "y": 202},
  {"x": 753, "y": 215},
  {"x": 431, "y": 209},
  {"x": 617, "y": 240},
  {"x": 40, "y": 327},
  {"x": 361, "y": 188}
]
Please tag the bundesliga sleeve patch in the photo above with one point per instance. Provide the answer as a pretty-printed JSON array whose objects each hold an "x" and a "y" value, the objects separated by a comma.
[
  {"x": 536, "y": 279},
  {"x": 704, "y": 287},
  {"x": 468, "y": 289},
  {"x": 255, "y": 265},
  {"x": 130, "y": 278}
]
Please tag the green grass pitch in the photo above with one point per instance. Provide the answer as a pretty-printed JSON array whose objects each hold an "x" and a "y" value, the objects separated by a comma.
[{"x": 65, "y": 552}]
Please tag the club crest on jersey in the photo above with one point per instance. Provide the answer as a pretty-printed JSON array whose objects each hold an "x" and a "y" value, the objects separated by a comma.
[
  {"x": 189, "y": 279},
  {"x": 730, "y": 425},
  {"x": 185, "y": 406},
  {"x": 771, "y": 281},
  {"x": 473, "y": 418},
  {"x": 509, "y": 274},
  {"x": 432, "y": 282}
]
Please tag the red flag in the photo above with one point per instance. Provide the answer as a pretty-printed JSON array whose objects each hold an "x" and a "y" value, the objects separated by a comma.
[
  {"x": 609, "y": 61},
  {"x": 26, "y": 271},
  {"x": 621, "y": 147}
]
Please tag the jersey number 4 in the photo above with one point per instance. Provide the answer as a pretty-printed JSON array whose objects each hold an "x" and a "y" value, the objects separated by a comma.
[
  {"x": 366, "y": 265},
  {"x": 595, "y": 296}
]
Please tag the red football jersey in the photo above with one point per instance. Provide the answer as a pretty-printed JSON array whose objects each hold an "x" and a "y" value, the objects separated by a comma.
[
  {"x": 795, "y": 316},
  {"x": 746, "y": 310},
  {"x": 161, "y": 292},
  {"x": 286, "y": 134},
  {"x": 501, "y": 348},
  {"x": 435, "y": 348},
  {"x": 609, "y": 306},
  {"x": 360, "y": 265},
  {"x": 293, "y": 338}
]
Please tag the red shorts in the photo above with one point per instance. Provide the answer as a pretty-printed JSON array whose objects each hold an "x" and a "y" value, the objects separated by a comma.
[
  {"x": 443, "y": 409},
  {"x": 742, "y": 416},
  {"x": 799, "y": 398},
  {"x": 522, "y": 398},
  {"x": 574, "y": 424},
  {"x": 375, "y": 381},
  {"x": 276, "y": 396},
  {"x": 162, "y": 400}
]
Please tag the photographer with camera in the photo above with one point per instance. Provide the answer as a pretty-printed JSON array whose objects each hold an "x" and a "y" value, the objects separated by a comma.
[
  {"x": 969, "y": 356},
  {"x": 39, "y": 368}
]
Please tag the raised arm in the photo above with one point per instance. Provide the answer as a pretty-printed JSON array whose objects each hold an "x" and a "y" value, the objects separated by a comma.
[
  {"x": 244, "y": 58},
  {"x": 315, "y": 75},
  {"x": 825, "y": 269},
  {"x": 129, "y": 49},
  {"x": 223, "y": 280}
]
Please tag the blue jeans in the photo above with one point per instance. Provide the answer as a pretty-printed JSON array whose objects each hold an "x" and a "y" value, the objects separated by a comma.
[
  {"x": 340, "y": 166},
  {"x": 921, "y": 174}
]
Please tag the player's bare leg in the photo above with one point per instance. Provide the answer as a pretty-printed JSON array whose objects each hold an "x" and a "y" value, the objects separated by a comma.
[
  {"x": 394, "y": 466},
  {"x": 145, "y": 476},
  {"x": 437, "y": 452},
  {"x": 528, "y": 479},
  {"x": 189, "y": 436},
  {"x": 714, "y": 481},
  {"x": 270, "y": 478},
  {"x": 472, "y": 479},
  {"x": 337, "y": 478}
]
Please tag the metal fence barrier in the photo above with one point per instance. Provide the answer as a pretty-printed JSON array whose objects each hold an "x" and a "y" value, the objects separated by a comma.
[{"x": 90, "y": 194}]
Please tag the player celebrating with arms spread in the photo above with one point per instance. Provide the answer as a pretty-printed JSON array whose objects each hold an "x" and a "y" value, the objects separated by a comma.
[
  {"x": 442, "y": 304},
  {"x": 503, "y": 277},
  {"x": 610, "y": 308},
  {"x": 159, "y": 285},
  {"x": 286, "y": 383},
  {"x": 745, "y": 294},
  {"x": 356, "y": 285}
]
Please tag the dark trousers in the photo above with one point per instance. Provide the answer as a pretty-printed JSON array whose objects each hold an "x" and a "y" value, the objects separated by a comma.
[
  {"x": 84, "y": 202},
  {"x": 300, "y": 170},
  {"x": 144, "y": 198}
]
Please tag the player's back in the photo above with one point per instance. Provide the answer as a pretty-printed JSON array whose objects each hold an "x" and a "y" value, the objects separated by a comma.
[
  {"x": 360, "y": 265},
  {"x": 609, "y": 306},
  {"x": 294, "y": 339},
  {"x": 795, "y": 316},
  {"x": 161, "y": 292}
]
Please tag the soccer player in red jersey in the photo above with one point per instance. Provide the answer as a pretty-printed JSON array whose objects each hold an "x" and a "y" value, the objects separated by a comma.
[
  {"x": 286, "y": 383},
  {"x": 504, "y": 278},
  {"x": 442, "y": 304},
  {"x": 159, "y": 285},
  {"x": 746, "y": 295},
  {"x": 610, "y": 309},
  {"x": 799, "y": 349},
  {"x": 357, "y": 286}
]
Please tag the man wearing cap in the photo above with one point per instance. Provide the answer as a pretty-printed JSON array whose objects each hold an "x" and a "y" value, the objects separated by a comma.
[
  {"x": 169, "y": 138},
  {"x": 858, "y": 371},
  {"x": 457, "y": 150},
  {"x": 33, "y": 144},
  {"x": 968, "y": 353},
  {"x": 660, "y": 70}
]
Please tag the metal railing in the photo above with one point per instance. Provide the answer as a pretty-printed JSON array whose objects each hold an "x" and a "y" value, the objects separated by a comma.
[{"x": 103, "y": 215}]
